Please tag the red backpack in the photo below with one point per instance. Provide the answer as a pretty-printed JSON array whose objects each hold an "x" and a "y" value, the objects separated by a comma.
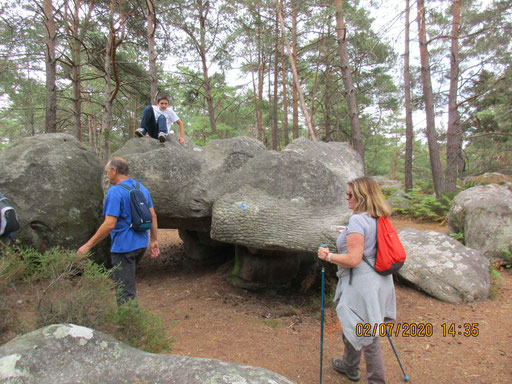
[{"x": 390, "y": 251}]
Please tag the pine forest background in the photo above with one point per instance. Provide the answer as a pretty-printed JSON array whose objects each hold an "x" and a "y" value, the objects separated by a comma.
[{"x": 421, "y": 89}]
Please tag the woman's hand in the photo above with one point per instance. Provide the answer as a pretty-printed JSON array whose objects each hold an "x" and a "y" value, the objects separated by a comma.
[{"x": 323, "y": 252}]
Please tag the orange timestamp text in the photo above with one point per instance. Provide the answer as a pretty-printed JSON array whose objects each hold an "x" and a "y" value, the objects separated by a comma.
[{"x": 416, "y": 329}]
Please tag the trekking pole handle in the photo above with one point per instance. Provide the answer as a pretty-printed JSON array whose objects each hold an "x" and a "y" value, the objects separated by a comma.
[{"x": 322, "y": 262}]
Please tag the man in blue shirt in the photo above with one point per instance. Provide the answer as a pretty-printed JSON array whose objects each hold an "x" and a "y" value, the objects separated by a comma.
[{"x": 128, "y": 246}]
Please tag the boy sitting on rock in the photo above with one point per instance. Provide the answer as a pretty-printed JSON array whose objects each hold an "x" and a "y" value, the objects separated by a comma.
[{"x": 158, "y": 119}]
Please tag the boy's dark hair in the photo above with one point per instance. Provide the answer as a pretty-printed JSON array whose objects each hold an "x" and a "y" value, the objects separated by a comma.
[{"x": 162, "y": 97}]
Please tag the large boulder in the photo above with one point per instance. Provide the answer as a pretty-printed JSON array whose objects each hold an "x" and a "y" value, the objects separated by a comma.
[
  {"x": 67, "y": 353},
  {"x": 54, "y": 183},
  {"x": 277, "y": 205},
  {"x": 483, "y": 214},
  {"x": 488, "y": 178},
  {"x": 184, "y": 180},
  {"x": 386, "y": 183},
  {"x": 339, "y": 157},
  {"x": 281, "y": 201},
  {"x": 443, "y": 267},
  {"x": 280, "y": 206},
  {"x": 399, "y": 202}
]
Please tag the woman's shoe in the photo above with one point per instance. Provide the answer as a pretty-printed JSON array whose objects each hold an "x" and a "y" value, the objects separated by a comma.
[{"x": 340, "y": 367}]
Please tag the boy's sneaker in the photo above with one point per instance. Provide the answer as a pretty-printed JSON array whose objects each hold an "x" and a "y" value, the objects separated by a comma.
[
  {"x": 161, "y": 137},
  {"x": 340, "y": 367},
  {"x": 139, "y": 132}
]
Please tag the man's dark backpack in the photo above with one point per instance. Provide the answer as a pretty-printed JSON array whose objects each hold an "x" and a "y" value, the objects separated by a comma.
[
  {"x": 390, "y": 251},
  {"x": 139, "y": 207},
  {"x": 8, "y": 220}
]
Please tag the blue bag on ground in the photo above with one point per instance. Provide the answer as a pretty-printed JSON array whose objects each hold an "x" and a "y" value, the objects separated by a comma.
[
  {"x": 8, "y": 220},
  {"x": 141, "y": 215}
]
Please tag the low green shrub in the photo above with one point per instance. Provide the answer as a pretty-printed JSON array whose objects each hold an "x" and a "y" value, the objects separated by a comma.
[
  {"x": 81, "y": 293},
  {"x": 75, "y": 290},
  {"x": 507, "y": 257},
  {"x": 12, "y": 268},
  {"x": 421, "y": 205},
  {"x": 459, "y": 236},
  {"x": 495, "y": 283},
  {"x": 141, "y": 329},
  {"x": 272, "y": 323}
]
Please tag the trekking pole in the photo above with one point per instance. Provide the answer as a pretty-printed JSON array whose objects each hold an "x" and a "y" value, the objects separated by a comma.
[
  {"x": 322, "y": 265},
  {"x": 406, "y": 378}
]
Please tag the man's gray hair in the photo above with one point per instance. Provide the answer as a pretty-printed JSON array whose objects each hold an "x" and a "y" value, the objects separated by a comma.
[{"x": 120, "y": 164}]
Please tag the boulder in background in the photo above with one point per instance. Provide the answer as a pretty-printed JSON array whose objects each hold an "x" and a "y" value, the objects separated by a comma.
[
  {"x": 484, "y": 215},
  {"x": 54, "y": 183},
  {"x": 443, "y": 267}
]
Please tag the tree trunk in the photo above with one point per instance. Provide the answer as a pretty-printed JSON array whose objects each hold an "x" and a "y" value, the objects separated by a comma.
[
  {"x": 110, "y": 68},
  {"x": 350, "y": 94},
  {"x": 258, "y": 88},
  {"x": 293, "y": 61},
  {"x": 276, "y": 82},
  {"x": 31, "y": 112},
  {"x": 107, "y": 106},
  {"x": 51, "y": 68},
  {"x": 454, "y": 134},
  {"x": 315, "y": 81},
  {"x": 76, "y": 27},
  {"x": 296, "y": 75},
  {"x": 428, "y": 97},
  {"x": 208, "y": 95},
  {"x": 151, "y": 20},
  {"x": 91, "y": 135},
  {"x": 135, "y": 117},
  {"x": 409, "y": 132},
  {"x": 261, "y": 78},
  {"x": 261, "y": 73},
  {"x": 395, "y": 163},
  {"x": 76, "y": 78},
  {"x": 206, "y": 80},
  {"x": 327, "y": 104},
  {"x": 285, "y": 99},
  {"x": 255, "y": 93}
]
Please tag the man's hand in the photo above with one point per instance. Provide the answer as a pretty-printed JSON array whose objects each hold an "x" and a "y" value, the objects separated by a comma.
[
  {"x": 181, "y": 140},
  {"x": 155, "y": 251},
  {"x": 83, "y": 251}
]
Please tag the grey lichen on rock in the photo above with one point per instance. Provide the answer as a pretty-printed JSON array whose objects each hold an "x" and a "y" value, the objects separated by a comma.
[
  {"x": 444, "y": 268},
  {"x": 67, "y": 353}
]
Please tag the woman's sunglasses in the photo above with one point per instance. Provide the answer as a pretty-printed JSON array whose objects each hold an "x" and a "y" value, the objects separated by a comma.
[{"x": 349, "y": 195}]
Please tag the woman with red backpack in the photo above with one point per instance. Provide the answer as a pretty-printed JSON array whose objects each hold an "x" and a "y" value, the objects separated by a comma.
[{"x": 365, "y": 298}]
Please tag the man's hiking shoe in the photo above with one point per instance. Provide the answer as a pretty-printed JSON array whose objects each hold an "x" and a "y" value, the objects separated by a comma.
[
  {"x": 340, "y": 367},
  {"x": 138, "y": 132},
  {"x": 161, "y": 137}
]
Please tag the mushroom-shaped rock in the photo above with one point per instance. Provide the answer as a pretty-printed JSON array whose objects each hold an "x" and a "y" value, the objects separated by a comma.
[
  {"x": 54, "y": 183},
  {"x": 281, "y": 201},
  {"x": 280, "y": 205},
  {"x": 443, "y": 267},
  {"x": 67, "y": 353}
]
